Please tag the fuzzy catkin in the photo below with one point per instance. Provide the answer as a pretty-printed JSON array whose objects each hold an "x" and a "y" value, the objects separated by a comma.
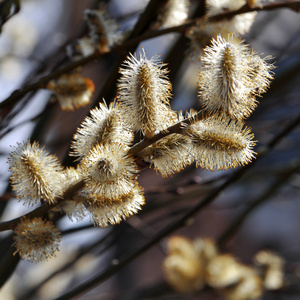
[
  {"x": 36, "y": 239},
  {"x": 144, "y": 92},
  {"x": 36, "y": 174},
  {"x": 231, "y": 76}
]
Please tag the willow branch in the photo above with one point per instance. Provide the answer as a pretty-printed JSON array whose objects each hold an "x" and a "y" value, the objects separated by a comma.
[
  {"x": 40, "y": 211},
  {"x": 176, "y": 128},
  {"x": 113, "y": 268},
  {"x": 43, "y": 209},
  {"x": 135, "y": 40},
  {"x": 293, "y": 4}
]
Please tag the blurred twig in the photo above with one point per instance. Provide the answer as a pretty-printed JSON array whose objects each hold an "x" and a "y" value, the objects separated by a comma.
[
  {"x": 105, "y": 241},
  {"x": 134, "y": 40},
  {"x": 177, "y": 128},
  {"x": 265, "y": 196},
  {"x": 113, "y": 268}
]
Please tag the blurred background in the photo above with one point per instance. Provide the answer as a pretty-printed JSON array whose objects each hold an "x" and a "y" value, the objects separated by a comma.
[{"x": 33, "y": 43}]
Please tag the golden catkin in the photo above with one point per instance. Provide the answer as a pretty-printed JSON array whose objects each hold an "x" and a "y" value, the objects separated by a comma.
[
  {"x": 103, "y": 31},
  {"x": 103, "y": 126},
  {"x": 36, "y": 239},
  {"x": 143, "y": 92},
  {"x": 72, "y": 90},
  {"x": 105, "y": 211},
  {"x": 219, "y": 143},
  {"x": 231, "y": 77},
  {"x": 108, "y": 171},
  {"x": 36, "y": 174}
]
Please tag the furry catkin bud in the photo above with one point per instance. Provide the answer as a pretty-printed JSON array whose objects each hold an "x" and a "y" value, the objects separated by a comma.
[
  {"x": 103, "y": 30},
  {"x": 169, "y": 155},
  {"x": 172, "y": 13},
  {"x": 36, "y": 174},
  {"x": 249, "y": 285},
  {"x": 222, "y": 271},
  {"x": 82, "y": 47},
  {"x": 220, "y": 143},
  {"x": 272, "y": 267},
  {"x": 183, "y": 267},
  {"x": 72, "y": 90},
  {"x": 36, "y": 239},
  {"x": 109, "y": 171},
  {"x": 105, "y": 211},
  {"x": 231, "y": 77},
  {"x": 144, "y": 91},
  {"x": 239, "y": 24},
  {"x": 74, "y": 207},
  {"x": 102, "y": 127},
  {"x": 201, "y": 34}
]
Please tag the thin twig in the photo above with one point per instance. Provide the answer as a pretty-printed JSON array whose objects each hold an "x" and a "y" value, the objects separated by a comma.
[
  {"x": 176, "y": 128},
  {"x": 135, "y": 40},
  {"x": 40, "y": 211},
  {"x": 18, "y": 94},
  {"x": 293, "y": 4},
  {"x": 43, "y": 209},
  {"x": 236, "y": 223},
  {"x": 105, "y": 240},
  {"x": 119, "y": 264}
]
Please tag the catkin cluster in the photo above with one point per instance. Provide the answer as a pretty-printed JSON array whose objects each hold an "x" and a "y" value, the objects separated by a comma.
[
  {"x": 106, "y": 175},
  {"x": 207, "y": 28},
  {"x": 190, "y": 265}
]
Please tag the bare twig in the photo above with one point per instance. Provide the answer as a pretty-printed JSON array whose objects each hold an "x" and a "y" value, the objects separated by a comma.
[
  {"x": 273, "y": 189},
  {"x": 40, "y": 211},
  {"x": 114, "y": 267},
  {"x": 135, "y": 40}
]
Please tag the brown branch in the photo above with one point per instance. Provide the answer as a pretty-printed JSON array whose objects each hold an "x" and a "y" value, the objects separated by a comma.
[
  {"x": 113, "y": 268},
  {"x": 40, "y": 211},
  {"x": 43, "y": 209},
  {"x": 293, "y": 4},
  {"x": 176, "y": 128},
  {"x": 18, "y": 94},
  {"x": 135, "y": 40}
]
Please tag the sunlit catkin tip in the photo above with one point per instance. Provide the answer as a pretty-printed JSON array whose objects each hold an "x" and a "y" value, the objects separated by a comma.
[
  {"x": 272, "y": 269},
  {"x": 103, "y": 126},
  {"x": 144, "y": 91},
  {"x": 249, "y": 285},
  {"x": 105, "y": 211},
  {"x": 35, "y": 174},
  {"x": 239, "y": 24},
  {"x": 172, "y": 13},
  {"x": 36, "y": 239},
  {"x": 225, "y": 83},
  {"x": 183, "y": 267},
  {"x": 221, "y": 144},
  {"x": 103, "y": 30},
  {"x": 108, "y": 171},
  {"x": 72, "y": 90}
]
